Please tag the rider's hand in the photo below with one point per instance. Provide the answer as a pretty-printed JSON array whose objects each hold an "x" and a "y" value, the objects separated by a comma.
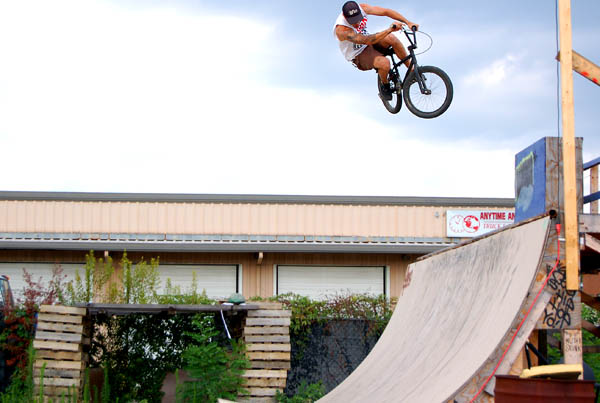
[
  {"x": 412, "y": 24},
  {"x": 396, "y": 26}
]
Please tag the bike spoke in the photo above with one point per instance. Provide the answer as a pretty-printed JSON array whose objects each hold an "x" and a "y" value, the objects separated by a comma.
[{"x": 429, "y": 102}]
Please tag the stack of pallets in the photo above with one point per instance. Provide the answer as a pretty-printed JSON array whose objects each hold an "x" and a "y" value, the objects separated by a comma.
[
  {"x": 267, "y": 337},
  {"x": 59, "y": 339}
]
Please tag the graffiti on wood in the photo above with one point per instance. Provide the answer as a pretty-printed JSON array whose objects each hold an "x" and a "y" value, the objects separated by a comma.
[{"x": 563, "y": 309}]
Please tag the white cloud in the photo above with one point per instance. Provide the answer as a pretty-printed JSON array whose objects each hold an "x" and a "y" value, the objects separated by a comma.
[
  {"x": 100, "y": 98},
  {"x": 495, "y": 75}
]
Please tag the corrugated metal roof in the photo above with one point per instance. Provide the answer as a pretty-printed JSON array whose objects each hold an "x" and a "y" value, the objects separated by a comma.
[
  {"x": 249, "y": 198},
  {"x": 222, "y": 243}
]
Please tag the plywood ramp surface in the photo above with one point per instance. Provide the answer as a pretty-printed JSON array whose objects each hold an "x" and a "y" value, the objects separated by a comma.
[{"x": 455, "y": 314}]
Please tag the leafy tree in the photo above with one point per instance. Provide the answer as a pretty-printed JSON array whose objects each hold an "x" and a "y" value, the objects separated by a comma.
[
  {"x": 217, "y": 371},
  {"x": 134, "y": 284}
]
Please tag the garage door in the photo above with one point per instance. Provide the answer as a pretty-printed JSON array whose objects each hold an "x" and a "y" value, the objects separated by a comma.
[
  {"x": 219, "y": 281},
  {"x": 318, "y": 282},
  {"x": 37, "y": 270}
]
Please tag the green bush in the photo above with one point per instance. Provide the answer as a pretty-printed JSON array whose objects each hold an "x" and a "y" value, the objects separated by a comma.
[
  {"x": 19, "y": 320},
  {"x": 134, "y": 284},
  {"x": 136, "y": 350},
  {"x": 588, "y": 339},
  {"x": 217, "y": 371},
  {"x": 376, "y": 311},
  {"x": 307, "y": 393}
]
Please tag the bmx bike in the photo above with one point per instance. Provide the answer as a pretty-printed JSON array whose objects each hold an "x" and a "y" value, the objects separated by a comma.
[{"x": 427, "y": 90}]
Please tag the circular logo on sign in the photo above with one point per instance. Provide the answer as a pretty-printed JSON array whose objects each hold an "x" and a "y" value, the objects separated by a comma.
[
  {"x": 471, "y": 223},
  {"x": 456, "y": 224}
]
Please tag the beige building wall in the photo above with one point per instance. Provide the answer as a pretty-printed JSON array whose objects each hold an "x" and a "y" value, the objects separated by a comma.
[
  {"x": 224, "y": 218},
  {"x": 266, "y": 216}
]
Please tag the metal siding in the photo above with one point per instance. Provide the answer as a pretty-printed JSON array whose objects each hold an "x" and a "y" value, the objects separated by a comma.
[
  {"x": 3, "y": 213},
  {"x": 19, "y": 219},
  {"x": 222, "y": 218}
]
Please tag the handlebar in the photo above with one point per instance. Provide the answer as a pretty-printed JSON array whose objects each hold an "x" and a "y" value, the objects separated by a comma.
[
  {"x": 412, "y": 32},
  {"x": 413, "y": 28}
]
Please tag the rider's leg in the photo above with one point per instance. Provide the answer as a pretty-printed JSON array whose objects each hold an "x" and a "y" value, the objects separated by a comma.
[
  {"x": 382, "y": 65},
  {"x": 370, "y": 59},
  {"x": 394, "y": 42}
]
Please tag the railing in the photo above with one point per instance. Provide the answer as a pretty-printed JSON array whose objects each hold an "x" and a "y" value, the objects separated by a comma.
[{"x": 594, "y": 193}]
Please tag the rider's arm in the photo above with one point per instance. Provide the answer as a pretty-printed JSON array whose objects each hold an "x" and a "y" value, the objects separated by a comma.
[
  {"x": 347, "y": 34},
  {"x": 386, "y": 12}
]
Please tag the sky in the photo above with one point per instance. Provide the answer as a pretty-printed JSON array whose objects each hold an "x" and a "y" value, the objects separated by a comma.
[{"x": 238, "y": 97}]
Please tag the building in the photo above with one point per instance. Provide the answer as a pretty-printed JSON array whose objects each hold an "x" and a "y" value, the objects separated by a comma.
[{"x": 253, "y": 244}]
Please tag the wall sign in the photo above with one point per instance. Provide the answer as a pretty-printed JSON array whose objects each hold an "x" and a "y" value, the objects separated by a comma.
[{"x": 471, "y": 223}]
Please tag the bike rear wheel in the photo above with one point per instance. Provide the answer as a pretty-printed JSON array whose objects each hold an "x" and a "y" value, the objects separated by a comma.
[
  {"x": 434, "y": 103},
  {"x": 395, "y": 104}
]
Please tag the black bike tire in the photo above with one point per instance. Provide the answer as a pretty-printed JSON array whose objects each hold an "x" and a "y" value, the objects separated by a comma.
[
  {"x": 390, "y": 105},
  {"x": 410, "y": 81}
]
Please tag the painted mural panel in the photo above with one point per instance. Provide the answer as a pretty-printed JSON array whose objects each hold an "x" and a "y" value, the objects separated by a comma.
[{"x": 530, "y": 181}]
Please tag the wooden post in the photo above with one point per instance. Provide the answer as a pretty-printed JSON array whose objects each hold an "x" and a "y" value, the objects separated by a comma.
[
  {"x": 586, "y": 68},
  {"x": 572, "y": 346},
  {"x": 594, "y": 188},
  {"x": 568, "y": 129}
]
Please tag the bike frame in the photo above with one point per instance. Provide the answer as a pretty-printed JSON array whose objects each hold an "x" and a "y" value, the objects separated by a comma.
[{"x": 413, "y": 65}]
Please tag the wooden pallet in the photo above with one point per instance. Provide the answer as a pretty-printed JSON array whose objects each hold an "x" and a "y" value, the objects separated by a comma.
[
  {"x": 267, "y": 337},
  {"x": 59, "y": 343}
]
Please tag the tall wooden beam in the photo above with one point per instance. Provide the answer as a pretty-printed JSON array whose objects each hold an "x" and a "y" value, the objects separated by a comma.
[
  {"x": 586, "y": 68},
  {"x": 594, "y": 188},
  {"x": 568, "y": 130}
]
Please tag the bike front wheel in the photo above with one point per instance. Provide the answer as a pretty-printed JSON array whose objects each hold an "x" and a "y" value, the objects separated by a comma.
[
  {"x": 394, "y": 105},
  {"x": 436, "y": 96}
]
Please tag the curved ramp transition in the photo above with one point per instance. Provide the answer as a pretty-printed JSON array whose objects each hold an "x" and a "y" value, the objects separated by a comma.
[{"x": 458, "y": 311}]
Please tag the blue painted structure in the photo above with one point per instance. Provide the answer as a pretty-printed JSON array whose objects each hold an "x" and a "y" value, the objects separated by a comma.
[{"x": 530, "y": 181}]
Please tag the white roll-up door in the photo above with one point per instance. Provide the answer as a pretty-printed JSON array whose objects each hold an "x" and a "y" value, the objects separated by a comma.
[
  {"x": 37, "y": 270},
  {"x": 319, "y": 282},
  {"x": 219, "y": 281}
]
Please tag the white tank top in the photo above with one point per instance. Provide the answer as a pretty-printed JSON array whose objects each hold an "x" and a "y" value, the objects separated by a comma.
[{"x": 351, "y": 50}]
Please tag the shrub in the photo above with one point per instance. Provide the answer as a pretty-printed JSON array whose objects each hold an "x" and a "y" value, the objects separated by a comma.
[
  {"x": 307, "y": 393},
  {"x": 134, "y": 284},
  {"x": 217, "y": 371},
  {"x": 376, "y": 311},
  {"x": 20, "y": 320}
]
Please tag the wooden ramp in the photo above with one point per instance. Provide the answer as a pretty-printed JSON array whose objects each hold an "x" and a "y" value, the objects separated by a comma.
[{"x": 459, "y": 310}]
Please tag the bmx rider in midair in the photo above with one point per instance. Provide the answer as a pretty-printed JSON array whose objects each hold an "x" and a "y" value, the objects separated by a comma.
[{"x": 364, "y": 50}]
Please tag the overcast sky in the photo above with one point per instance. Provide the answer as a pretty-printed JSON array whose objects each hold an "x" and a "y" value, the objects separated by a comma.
[{"x": 255, "y": 97}]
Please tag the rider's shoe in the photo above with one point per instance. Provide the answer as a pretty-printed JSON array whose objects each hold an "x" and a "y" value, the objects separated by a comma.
[{"x": 385, "y": 92}]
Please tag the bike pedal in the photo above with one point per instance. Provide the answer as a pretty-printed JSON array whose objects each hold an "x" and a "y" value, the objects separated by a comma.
[{"x": 384, "y": 98}]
